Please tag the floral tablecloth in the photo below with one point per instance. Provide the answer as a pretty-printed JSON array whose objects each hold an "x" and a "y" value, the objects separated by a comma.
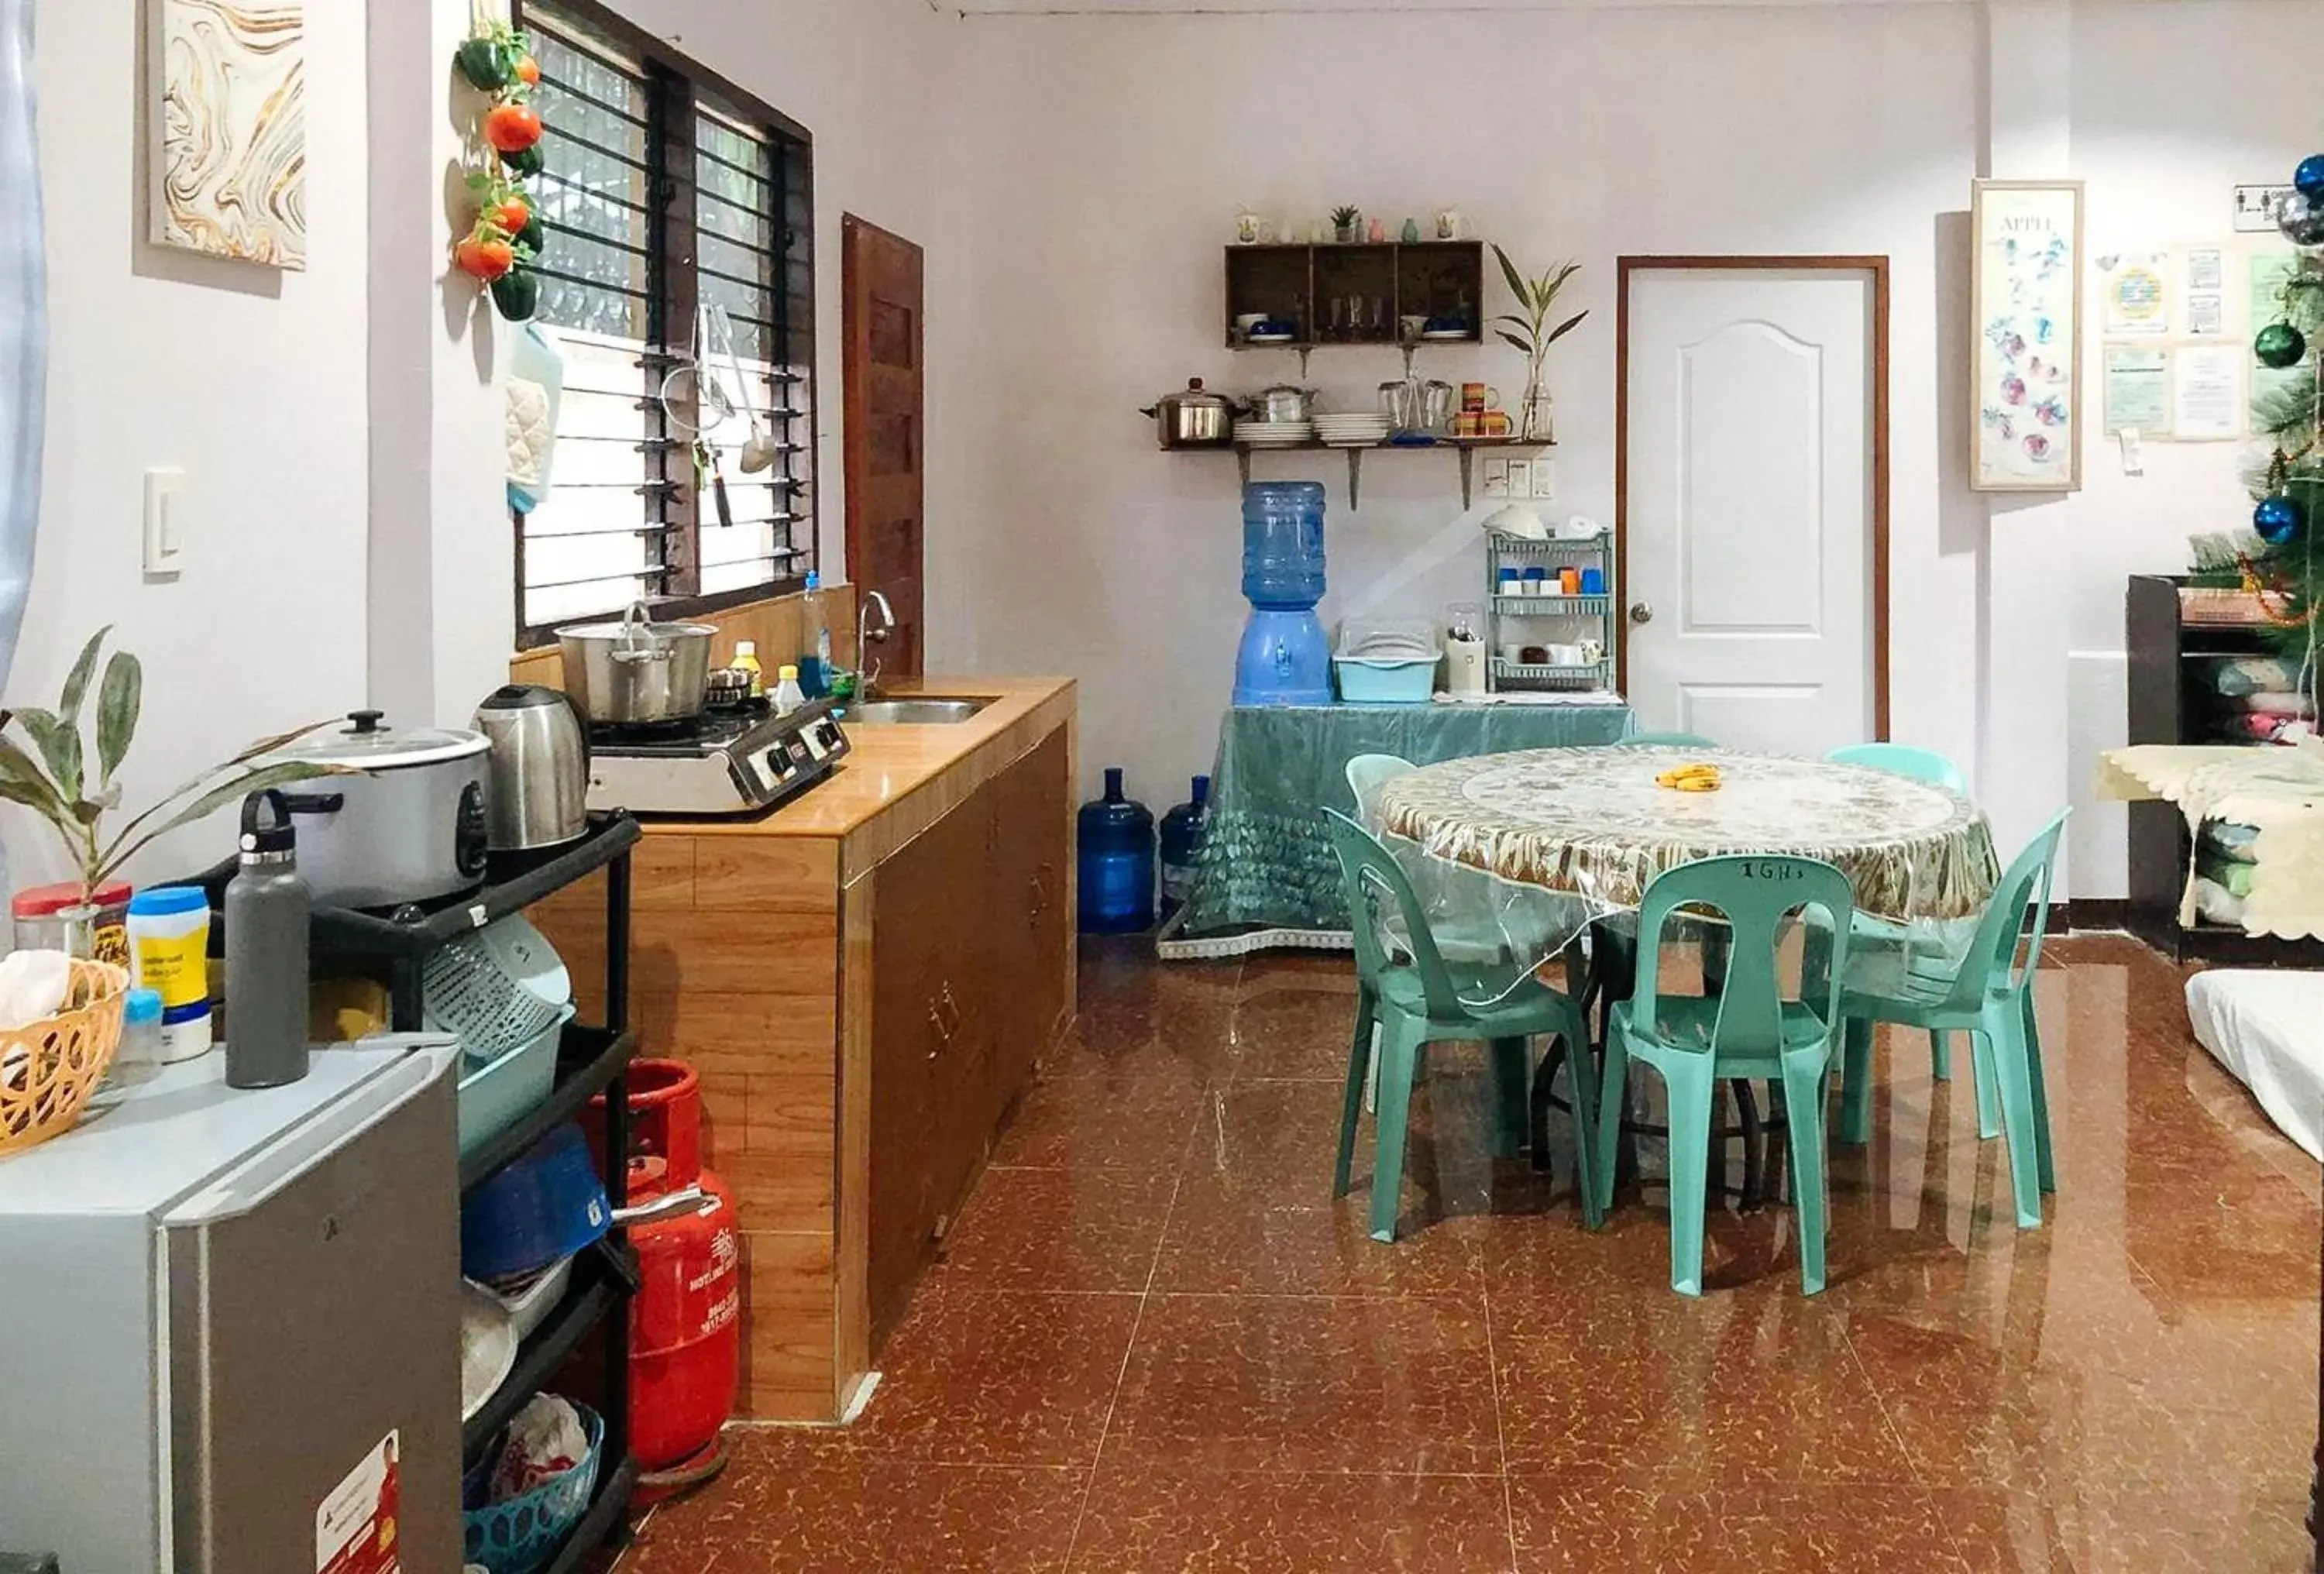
[{"x": 1559, "y": 838}]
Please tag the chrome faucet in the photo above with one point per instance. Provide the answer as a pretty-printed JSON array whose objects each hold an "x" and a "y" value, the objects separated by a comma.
[{"x": 866, "y": 636}]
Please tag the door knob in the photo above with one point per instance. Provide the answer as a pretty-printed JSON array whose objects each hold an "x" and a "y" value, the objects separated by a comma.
[{"x": 1642, "y": 611}]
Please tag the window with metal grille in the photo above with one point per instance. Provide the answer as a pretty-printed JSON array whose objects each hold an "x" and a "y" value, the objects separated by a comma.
[{"x": 677, "y": 278}]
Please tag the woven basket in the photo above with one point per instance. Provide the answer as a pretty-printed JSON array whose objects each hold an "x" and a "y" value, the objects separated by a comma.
[{"x": 49, "y": 1068}]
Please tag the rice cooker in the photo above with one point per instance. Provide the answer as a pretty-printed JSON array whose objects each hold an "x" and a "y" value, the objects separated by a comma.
[{"x": 406, "y": 823}]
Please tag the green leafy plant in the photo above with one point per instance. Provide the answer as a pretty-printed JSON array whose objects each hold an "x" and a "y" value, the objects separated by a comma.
[
  {"x": 1536, "y": 298},
  {"x": 59, "y": 787},
  {"x": 1345, "y": 218}
]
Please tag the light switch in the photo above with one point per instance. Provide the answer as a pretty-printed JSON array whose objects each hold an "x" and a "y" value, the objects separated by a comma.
[{"x": 165, "y": 517}]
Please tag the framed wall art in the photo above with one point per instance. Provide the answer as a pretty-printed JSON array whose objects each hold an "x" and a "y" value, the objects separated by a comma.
[
  {"x": 229, "y": 140},
  {"x": 2025, "y": 311}
]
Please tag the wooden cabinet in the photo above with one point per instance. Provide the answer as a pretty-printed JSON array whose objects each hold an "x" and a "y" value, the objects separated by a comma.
[{"x": 971, "y": 977}]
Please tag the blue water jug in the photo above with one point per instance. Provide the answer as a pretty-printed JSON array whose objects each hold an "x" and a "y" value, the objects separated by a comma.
[
  {"x": 1283, "y": 658},
  {"x": 1182, "y": 839},
  {"x": 1283, "y": 543},
  {"x": 1116, "y": 862}
]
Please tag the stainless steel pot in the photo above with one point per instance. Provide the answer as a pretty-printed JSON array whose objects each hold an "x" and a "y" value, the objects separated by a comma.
[
  {"x": 1284, "y": 402},
  {"x": 537, "y": 766},
  {"x": 1193, "y": 418},
  {"x": 408, "y": 824},
  {"x": 636, "y": 670}
]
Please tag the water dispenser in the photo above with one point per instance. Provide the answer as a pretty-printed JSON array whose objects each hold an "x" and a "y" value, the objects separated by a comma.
[{"x": 1285, "y": 659}]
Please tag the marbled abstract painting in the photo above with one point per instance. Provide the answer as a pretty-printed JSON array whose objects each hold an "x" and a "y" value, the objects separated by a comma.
[{"x": 230, "y": 157}]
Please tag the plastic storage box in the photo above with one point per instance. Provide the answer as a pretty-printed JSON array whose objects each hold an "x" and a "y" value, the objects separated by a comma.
[
  {"x": 497, "y": 1094},
  {"x": 1390, "y": 662}
]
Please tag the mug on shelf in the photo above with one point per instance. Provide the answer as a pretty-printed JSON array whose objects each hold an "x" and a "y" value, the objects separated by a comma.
[{"x": 1476, "y": 398}]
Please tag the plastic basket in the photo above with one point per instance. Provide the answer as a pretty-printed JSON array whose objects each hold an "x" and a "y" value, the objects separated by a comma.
[
  {"x": 49, "y": 1068},
  {"x": 522, "y": 1534},
  {"x": 498, "y": 1095}
]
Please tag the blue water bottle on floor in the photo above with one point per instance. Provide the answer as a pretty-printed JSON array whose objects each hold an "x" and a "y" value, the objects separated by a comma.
[
  {"x": 1116, "y": 862},
  {"x": 1182, "y": 840}
]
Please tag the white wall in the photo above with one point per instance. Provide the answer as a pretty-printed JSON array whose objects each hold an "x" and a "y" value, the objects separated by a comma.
[
  {"x": 1098, "y": 162},
  {"x": 251, "y": 379}
]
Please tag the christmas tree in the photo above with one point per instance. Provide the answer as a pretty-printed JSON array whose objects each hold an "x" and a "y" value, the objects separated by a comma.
[{"x": 2287, "y": 479}]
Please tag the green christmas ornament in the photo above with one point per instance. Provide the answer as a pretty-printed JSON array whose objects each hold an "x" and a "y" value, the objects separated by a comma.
[{"x": 2279, "y": 344}]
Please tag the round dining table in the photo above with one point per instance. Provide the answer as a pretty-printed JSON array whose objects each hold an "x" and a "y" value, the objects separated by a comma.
[
  {"x": 1587, "y": 830},
  {"x": 1521, "y": 853}
]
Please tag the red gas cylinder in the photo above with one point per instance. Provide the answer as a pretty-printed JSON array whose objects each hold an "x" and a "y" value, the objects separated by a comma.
[
  {"x": 686, "y": 1329},
  {"x": 665, "y": 1128}
]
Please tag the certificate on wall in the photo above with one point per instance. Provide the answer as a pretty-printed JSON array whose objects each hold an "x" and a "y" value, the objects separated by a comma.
[
  {"x": 2206, "y": 393},
  {"x": 2137, "y": 300},
  {"x": 2137, "y": 391},
  {"x": 2203, "y": 298},
  {"x": 2025, "y": 308}
]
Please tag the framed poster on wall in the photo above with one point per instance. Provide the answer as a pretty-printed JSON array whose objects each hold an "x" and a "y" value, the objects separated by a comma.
[{"x": 2025, "y": 310}]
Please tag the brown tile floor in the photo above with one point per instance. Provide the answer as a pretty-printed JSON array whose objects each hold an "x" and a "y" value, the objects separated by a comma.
[{"x": 1154, "y": 1344}]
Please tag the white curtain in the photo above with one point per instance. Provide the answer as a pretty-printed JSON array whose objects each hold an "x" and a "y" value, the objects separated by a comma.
[{"x": 24, "y": 323}]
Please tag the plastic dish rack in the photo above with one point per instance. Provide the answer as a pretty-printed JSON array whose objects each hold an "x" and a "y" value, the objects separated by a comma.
[
  {"x": 1386, "y": 662},
  {"x": 522, "y": 1534}
]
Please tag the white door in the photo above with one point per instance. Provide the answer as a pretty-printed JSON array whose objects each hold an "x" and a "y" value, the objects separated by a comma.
[{"x": 1750, "y": 505}]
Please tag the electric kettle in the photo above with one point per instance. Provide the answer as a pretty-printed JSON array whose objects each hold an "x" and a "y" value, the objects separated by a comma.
[{"x": 536, "y": 774}]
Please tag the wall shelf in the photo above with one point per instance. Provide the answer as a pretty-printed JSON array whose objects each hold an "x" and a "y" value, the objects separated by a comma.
[
  {"x": 1466, "y": 448},
  {"x": 1299, "y": 284}
]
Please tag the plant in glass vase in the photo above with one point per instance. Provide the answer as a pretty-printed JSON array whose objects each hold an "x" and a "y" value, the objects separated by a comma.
[
  {"x": 1529, "y": 331},
  {"x": 57, "y": 779},
  {"x": 1344, "y": 222}
]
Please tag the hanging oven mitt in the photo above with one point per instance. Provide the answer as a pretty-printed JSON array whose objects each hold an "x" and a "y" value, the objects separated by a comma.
[{"x": 536, "y": 385}]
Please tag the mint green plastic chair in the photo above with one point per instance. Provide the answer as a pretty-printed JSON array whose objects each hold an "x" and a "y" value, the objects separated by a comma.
[
  {"x": 1929, "y": 766},
  {"x": 1989, "y": 996},
  {"x": 1747, "y": 1029},
  {"x": 1368, "y": 773},
  {"x": 1664, "y": 739},
  {"x": 1417, "y": 1001},
  {"x": 1905, "y": 759}
]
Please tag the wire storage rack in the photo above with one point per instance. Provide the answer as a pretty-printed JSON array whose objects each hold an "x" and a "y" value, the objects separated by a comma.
[{"x": 1549, "y": 618}]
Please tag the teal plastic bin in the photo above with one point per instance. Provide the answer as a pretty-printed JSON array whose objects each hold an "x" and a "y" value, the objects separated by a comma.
[{"x": 497, "y": 1094}]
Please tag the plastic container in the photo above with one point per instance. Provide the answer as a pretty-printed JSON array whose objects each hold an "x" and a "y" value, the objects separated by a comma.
[
  {"x": 788, "y": 695},
  {"x": 1116, "y": 862},
  {"x": 169, "y": 947},
  {"x": 1182, "y": 839},
  {"x": 55, "y": 918},
  {"x": 528, "y": 1304},
  {"x": 746, "y": 660},
  {"x": 522, "y": 1534},
  {"x": 1283, "y": 543},
  {"x": 1387, "y": 660},
  {"x": 497, "y": 1094},
  {"x": 815, "y": 639},
  {"x": 547, "y": 1205},
  {"x": 1283, "y": 658}
]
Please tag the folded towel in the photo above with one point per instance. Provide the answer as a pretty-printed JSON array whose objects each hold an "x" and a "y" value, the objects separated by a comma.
[
  {"x": 2214, "y": 904},
  {"x": 2244, "y": 675},
  {"x": 2265, "y": 727},
  {"x": 2234, "y": 878},
  {"x": 2230, "y": 842},
  {"x": 2285, "y": 702}
]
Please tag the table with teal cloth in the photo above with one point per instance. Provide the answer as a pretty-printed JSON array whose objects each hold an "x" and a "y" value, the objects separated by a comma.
[{"x": 1265, "y": 864}]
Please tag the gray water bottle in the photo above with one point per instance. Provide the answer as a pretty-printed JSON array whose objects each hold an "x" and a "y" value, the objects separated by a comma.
[{"x": 267, "y": 906}]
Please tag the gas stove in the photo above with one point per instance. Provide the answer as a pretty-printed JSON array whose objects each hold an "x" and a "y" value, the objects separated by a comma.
[{"x": 716, "y": 764}]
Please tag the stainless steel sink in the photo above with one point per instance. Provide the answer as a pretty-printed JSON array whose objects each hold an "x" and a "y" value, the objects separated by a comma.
[{"x": 921, "y": 711}]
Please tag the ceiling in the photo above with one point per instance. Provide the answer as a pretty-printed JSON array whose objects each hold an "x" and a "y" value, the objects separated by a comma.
[{"x": 1246, "y": 7}]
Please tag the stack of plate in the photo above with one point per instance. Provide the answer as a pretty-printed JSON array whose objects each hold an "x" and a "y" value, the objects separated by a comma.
[
  {"x": 1352, "y": 431},
  {"x": 1261, "y": 433}
]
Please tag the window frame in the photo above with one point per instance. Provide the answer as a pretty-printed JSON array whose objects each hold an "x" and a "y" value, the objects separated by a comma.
[{"x": 677, "y": 88}]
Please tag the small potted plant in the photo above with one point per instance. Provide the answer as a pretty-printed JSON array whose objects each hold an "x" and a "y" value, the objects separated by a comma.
[
  {"x": 1346, "y": 223},
  {"x": 61, "y": 787},
  {"x": 1532, "y": 333}
]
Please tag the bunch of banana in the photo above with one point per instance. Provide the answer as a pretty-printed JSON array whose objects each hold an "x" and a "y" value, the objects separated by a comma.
[{"x": 1690, "y": 778}]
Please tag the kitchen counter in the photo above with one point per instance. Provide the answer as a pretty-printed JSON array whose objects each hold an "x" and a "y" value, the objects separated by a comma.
[
  {"x": 887, "y": 764},
  {"x": 864, "y": 979}
]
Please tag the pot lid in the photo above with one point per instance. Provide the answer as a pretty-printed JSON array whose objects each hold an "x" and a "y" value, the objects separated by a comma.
[
  {"x": 1195, "y": 394},
  {"x": 365, "y": 744}
]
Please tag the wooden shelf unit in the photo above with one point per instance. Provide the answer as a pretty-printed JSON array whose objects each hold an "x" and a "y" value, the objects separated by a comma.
[
  {"x": 1299, "y": 284},
  {"x": 2168, "y": 705}
]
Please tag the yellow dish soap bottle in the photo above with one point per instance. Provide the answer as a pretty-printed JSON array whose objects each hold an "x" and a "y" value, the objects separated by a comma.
[{"x": 746, "y": 660}]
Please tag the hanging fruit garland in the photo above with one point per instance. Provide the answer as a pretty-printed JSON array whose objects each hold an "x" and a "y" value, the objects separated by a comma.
[{"x": 507, "y": 236}]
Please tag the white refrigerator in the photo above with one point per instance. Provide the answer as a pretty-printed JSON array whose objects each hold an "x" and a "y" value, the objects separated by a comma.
[{"x": 229, "y": 1325}]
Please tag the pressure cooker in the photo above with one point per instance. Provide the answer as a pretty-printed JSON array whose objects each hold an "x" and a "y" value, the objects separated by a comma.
[{"x": 404, "y": 822}]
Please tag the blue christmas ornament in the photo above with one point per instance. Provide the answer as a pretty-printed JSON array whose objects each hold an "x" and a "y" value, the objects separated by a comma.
[
  {"x": 2308, "y": 178},
  {"x": 2279, "y": 520}
]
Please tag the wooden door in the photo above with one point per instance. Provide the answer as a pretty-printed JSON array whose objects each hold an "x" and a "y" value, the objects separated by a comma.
[
  {"x": 1752, "y": 502},
  {"x": 885, "y": 444}
]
